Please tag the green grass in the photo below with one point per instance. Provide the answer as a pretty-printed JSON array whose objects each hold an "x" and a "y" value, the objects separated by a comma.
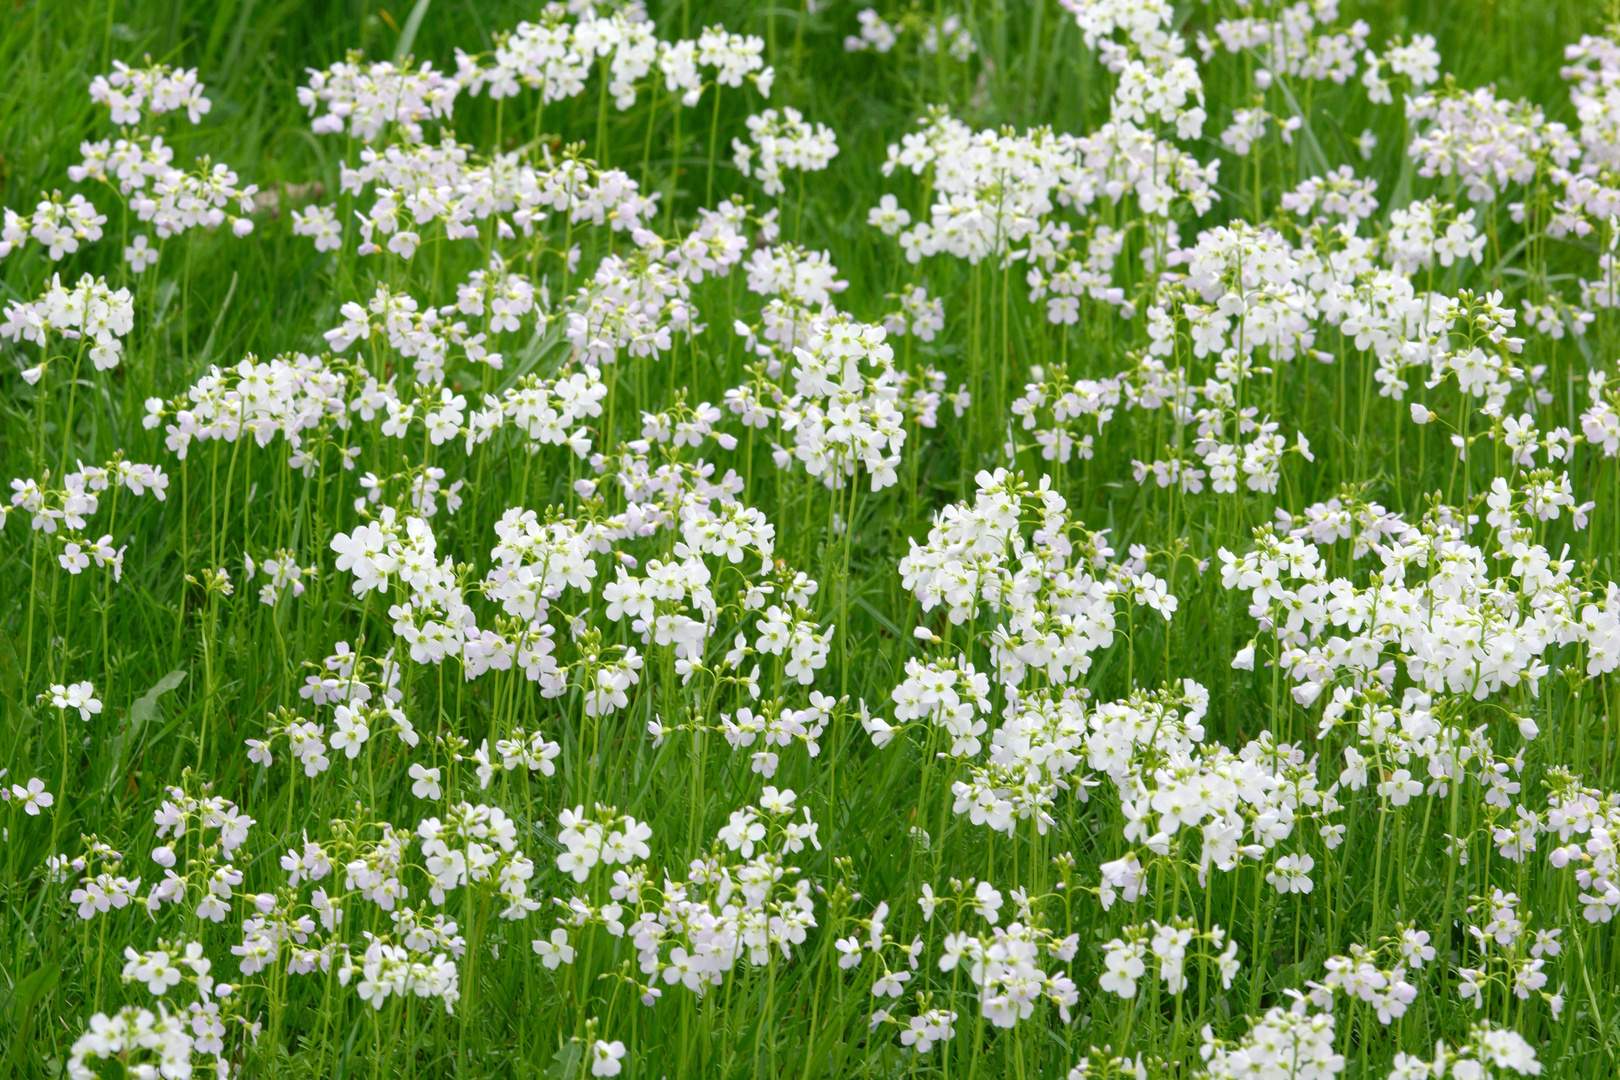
[{"x": 214, "y": 299}]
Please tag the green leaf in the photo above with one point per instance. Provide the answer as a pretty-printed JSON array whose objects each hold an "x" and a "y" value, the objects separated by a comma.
[
  {"x": 1310, "y": 148},
  {"x": 880, "y": 618},
  {"x": 407, "y": 36},
  {"x": 565, "y": 1062},
  {"x": 141, "y": 711},
  {"x": 33, "y": 987},
  {"x": 145, "y": 706}
]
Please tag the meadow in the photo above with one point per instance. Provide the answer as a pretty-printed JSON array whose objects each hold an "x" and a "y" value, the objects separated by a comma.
[{"x": 962, "y": 538}]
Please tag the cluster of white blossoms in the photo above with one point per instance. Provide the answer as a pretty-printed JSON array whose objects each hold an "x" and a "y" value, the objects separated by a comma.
[
  {"x": 476, "y": 846},
  {"x": 1416, "y": 63},
  {"x": 307, "y": 400},
  {"x": 942, "y": 695},
  {"x": 637, "y": 306},
  {"x": 386, "y": 969},
  {"x": 58, "y": 227},
  {"x": 1299, "y": 43},
  {"x": 846, "y": 405},
  {"x": 691, "y": 931},
  {"x": 1004, "y": 963},
  {"x": 425, "y": 336},
  {"x": 735, "y": 58},
  {"x": 176, "y": 1040},
  {"x": 1052, "y": 585},
  {"x": 928, "y": 29},
  {"x": 1284, "y": 1043},
  {"x": 783, "y": 141},
  {"x": 62, "y": 513},
  {"x": 1056, "y": 599},
  {"x": 1340, "y": 194},
  {"x": 843, "y": 410},
  {"x": 1485, "y": 143},
  {"x": 140, "y": 167},
  {"x": 1377, "y": 976},
  {"x": 1477, "y": 633},
  {"x": 1124, "y": 959},
  {"x": 79, "y": 696},
  {"x": 171, "y": 200},
  {"x": 91, "y": 314},
  {"x": 129, "y": 93},
  {"x": 1002, "y": 192},
  {"x": 282, "y": 572},
  {"x": 1584, "y": 821},
  {"x": 1488, "y": 1050},
  {"x": 1430, "y": 679},
  {"x": 363, "y": 100},
  {"x": 555, "y": 57},
  {"x": 672, "y": 608},
  {"x": 605, "y": 838}
]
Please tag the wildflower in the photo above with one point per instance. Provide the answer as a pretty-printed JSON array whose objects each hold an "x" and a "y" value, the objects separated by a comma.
[
  {"x": 426, "y": 782},
  {"x": 1292, "y": 874},
  {"x": 34, "y": 797},
  {"x": 556, "y": 950},
  {"x": 80, "y": 696},
  {"x": 606, "y": 1057},
  {"x": 140, "y": 254}
]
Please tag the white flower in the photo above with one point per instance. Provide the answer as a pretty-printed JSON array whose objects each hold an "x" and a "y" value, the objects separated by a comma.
[
  {"x": 555, "y": 951},
  {"x": 153, "y": 968},
  {"x": 888, "y": 215},
  {"x": 1124, "y": 963},
  {"x": 140, "y": 254},
  {"x": 351, "y": 733},
  {"x": 73, "y": 559},
  {"x": 987, "y": 902},
  {"x": 80, "y": 696},
  {"x": 928, "y": 902},
  {"x": 426, "y": 784},
  {"x": 34, "y": 797},
  {"x": 1292, "y": 874},
  {"x": 605, "y": 1058},
  {"x": 891, "y": 984}
]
